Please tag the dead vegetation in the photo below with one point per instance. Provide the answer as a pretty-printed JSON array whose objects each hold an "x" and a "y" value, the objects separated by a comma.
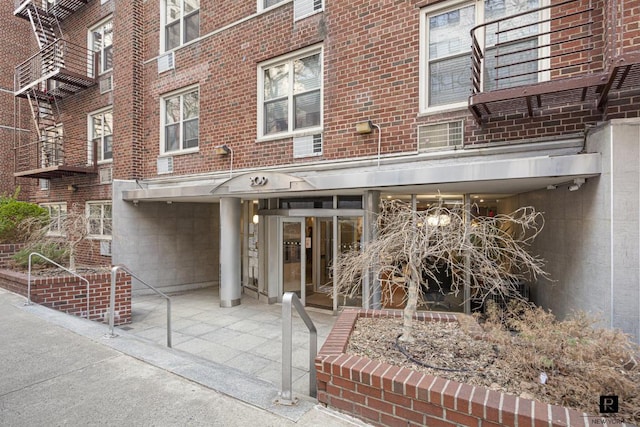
[{"x": 527, "y": 353}]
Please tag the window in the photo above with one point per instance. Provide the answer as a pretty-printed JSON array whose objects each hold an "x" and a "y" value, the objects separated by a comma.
[
  {"x": 101, "y": 41},
  {"x": 180, "y": 113},
  {"x": 291, "y": 95},
  {"x": 181, "y": 22},
  {"x": 99, "y": 215},
  {"x": 446, "y": 75},
  {"x": 101, "y": 135},
  {"x": 57, "y": 215},
  {"x": 263, "y": 4}
]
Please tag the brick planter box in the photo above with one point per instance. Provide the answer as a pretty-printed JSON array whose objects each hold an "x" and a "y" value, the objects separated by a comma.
[
  {"x": 387, "y": 395},
  {"x": 69, "y": 294}
]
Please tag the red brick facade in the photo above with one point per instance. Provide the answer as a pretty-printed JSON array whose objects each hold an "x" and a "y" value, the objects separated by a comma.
[
  {"x": 371, "y": 61},
  {"x": 69, "y": 294},
  {"x": 386, "y": 395}
]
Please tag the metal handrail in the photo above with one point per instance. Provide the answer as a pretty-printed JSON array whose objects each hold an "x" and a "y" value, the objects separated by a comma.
[
  {"x": 112, "y": 306},
  {"x": 58, "y": 265},
  {"x": 285, "y": 397}
]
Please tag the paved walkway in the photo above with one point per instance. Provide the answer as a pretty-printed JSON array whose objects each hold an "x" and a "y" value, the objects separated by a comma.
[
  {"x": 58, "y": 369},
  {"x": 247, "y": 337}
]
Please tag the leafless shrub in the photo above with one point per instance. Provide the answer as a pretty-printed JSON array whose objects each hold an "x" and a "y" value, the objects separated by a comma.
[{"x": 412, "y": 247}]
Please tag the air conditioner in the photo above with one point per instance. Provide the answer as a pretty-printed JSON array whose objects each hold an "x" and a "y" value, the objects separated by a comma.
[
  {"x": 106, "y": 175},
  {"x": 165, "y": 165},
  {"x": 439, "y": 135},
  {"x": 304, "y": 8},
  {"x": 105, "y": 247},
  {"x": 307, "y": 146},
  {"x": 106, "y": 84},
  {"x": 166, "y": 62}
]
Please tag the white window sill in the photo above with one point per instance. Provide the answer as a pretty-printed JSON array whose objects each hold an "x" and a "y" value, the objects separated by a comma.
[
  {"x": 288, "y": 135},
  {"x": 179, "y": 152}
]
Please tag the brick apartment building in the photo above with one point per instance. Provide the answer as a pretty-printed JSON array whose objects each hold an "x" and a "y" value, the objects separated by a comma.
[{"x": 245, "y": 144}]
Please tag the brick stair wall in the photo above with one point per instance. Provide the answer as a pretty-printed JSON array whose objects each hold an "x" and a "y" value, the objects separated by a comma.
[
  {"x": 386, "y": 395},
  {"x": 69, "y": 294}
]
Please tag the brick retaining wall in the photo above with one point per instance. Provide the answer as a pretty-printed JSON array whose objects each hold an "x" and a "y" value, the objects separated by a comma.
[
  {"x": 69, "y": 294},
  {"x": 8, "y": 250},
  {"x": 387, "y": 395}
]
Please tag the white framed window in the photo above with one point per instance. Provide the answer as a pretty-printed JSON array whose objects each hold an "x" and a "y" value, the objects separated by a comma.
[
  {"x": 99, "y": 219},
  {"x": 290, "y": 93},
  {"x": 101, "y": 42},
  {"x": 100, "y": 133},
  {"x": 265, "y": 4},
  {"x": 180, "y": 112},
  {"x": 180, "y": 22},
  {"x": 445, "y": 68},
  {"x": 57, "y": 215}
]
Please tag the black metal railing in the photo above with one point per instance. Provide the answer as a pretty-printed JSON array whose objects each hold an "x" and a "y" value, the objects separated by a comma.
[
  {"x": 72, "y": 65},
  {"x": 61, "y": 9},
  {"x": 52, "y": 153},
  {"x": 540, "y": 44}
]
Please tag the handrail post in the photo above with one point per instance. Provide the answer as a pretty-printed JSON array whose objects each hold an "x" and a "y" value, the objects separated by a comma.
[
  {"x": 59, "y": 266},
  {"x": 285, "y": 396},
  {"x": 112, "y": 304}
]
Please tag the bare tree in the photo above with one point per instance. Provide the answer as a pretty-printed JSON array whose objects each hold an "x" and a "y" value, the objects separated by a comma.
[
  {"x": 413, "y": 247},
  {"x": 76, "y": 228}
]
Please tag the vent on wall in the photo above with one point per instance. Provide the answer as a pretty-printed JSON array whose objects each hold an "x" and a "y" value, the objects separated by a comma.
[
  {"x": 165, "y": 165},
  {"x": 106, "y": 175},
  {"x": 440, "y": 135},
  {"x": 303, "y": 8},
  {"x": 166, "y": 62},
  {"x": 306, "y": 146},
  {"x": 105, "y": 247},
  {"x": 106, "y": 84}
]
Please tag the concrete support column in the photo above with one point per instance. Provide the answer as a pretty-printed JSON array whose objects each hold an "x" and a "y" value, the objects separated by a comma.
[
  {"x": 372, "y": 291},
  {"x": 230, "y": 279}
]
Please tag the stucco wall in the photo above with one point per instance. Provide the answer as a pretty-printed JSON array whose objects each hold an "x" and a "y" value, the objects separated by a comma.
[
  {"x": 169, "y": 246},
  {"x": 590, "y": 238}
]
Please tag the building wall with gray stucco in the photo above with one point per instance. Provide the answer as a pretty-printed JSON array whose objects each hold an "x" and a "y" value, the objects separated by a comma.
[
  {"x": 590, "y": 238},
  {"x": 169, "y": 246}
]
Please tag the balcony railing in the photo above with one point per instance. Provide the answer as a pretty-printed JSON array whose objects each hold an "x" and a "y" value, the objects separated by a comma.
[
  {"x": 47, "y": 159},
  {"x": 536, "y": 58},
  {"x": 72, "y": 66}
]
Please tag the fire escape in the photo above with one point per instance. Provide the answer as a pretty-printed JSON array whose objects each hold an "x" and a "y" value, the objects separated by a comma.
[
  {"x": 566, "y": 53},
  {"x": 58, "y": 70}
]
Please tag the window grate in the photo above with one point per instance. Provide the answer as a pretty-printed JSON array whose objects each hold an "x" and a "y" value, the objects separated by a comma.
[{"x": 439, "y": 135}]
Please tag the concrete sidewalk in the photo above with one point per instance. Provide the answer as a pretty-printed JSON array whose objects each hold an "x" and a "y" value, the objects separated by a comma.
[{"x": 57, "y": 369}]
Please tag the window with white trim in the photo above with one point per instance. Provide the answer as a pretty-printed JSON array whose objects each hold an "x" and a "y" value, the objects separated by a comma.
[
  {"x": 181, "y": 22},
  {"x": 290, "y": 95},
  {"x": 180, "y": 121},
  {"x": 264, "y": 4},
  {"x": 101, "y": 135},
  {"x": 57, "y": 215},
  {"x": 99, "y": 219},
  {"x": 446, "y": 48},
  {"x": 101, "y": 41}
]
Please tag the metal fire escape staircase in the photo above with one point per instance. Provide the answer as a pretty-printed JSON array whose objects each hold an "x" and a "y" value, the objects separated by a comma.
[{"x": 58, "y": 70}]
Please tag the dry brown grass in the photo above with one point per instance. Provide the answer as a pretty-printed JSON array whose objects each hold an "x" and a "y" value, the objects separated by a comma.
[{"x": 582, "y": 362}]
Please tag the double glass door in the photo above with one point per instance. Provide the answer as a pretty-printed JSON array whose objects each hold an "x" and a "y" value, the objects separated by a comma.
[{"x": 307, "y": 248}]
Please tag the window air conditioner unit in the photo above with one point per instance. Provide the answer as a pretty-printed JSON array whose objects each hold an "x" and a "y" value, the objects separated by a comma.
[
  {"x": 439, "y": 135},
  {"x": 105, "y": 247},
  {"x": 304, "y": 8},
  {"x": 106, "y": 84},
  {"x": 165, "y": 165},
  {"x": 166, "y": 62},
  {"x": 106, "y": 175},
  {"x": 307, "y": 146}
]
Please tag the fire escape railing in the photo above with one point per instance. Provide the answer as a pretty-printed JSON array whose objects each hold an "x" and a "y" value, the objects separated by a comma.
[
  {"x": 48, "y": 153},
  {"x": 61, "y": 60},
  {"x": 536, "y": 45}
]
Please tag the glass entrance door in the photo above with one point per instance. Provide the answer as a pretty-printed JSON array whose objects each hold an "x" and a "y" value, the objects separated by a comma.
[{"x": 293, "y": 258}]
